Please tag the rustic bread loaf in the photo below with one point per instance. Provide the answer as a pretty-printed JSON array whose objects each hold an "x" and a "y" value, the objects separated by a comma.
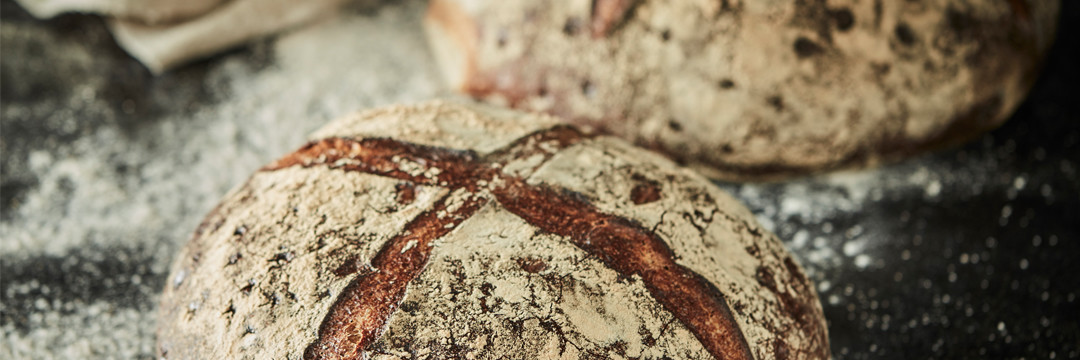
[
  {"x": 459, "y": 231},
  {"x": 753, "y": 90}
]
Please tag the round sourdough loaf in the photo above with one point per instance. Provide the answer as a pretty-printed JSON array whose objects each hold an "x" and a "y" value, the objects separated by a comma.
[
  {"x": 753, "y": 90},
  {"x": 460, "y": 231}
]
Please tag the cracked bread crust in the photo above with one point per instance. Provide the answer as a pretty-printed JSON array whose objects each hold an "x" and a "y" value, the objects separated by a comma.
[
  {"x": 753, "y": 90},
  {"x": 461, "y": 231}
]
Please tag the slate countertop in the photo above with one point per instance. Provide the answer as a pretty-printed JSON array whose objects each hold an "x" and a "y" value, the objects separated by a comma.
[{"x": 964, "y": 253}]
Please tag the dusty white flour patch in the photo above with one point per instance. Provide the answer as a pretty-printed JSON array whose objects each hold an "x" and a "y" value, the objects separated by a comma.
[
  {"x": 104, "y": 331},
  {"x": 321, "y": 72},
  {"x": 809, "y": 214}
]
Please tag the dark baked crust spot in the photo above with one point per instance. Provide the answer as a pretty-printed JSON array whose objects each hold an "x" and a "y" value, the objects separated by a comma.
[
  {"x": 571, "y": 26},
  {"x": 904, "y": 33},
  {"x": 532, "y": 265},
  {"x": 805, "y": 48},
  {"x": 406, "y": 193},
  {"x": 349, "y": 267},
  {"x": 674, "y": 125},
  {"x": 842, "y": 18},
  {"x": 645, "y": 191},
  {"x": 587, "y": 89},
  {"x": 776, "y": 102}
]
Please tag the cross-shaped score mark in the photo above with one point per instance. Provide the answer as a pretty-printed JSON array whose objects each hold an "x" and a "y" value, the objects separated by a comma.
[{"x": 360, "y": 312}]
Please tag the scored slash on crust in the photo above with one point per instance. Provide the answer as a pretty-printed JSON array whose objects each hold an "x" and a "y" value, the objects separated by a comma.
[{"x": 359, "y": 314}]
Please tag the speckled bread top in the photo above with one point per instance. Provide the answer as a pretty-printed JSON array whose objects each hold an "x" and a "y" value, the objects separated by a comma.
[
  {"x": 753, "y": 90},
  {"x": 458, "y": 231}
]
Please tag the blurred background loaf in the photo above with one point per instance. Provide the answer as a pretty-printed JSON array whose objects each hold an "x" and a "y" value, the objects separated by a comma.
[{"x": 754, "y": 90}]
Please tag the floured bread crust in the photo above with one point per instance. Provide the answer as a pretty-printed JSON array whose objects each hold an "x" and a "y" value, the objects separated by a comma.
[
  {"x": 753, "y": 90},
  {"x": 460, "y": 231}
]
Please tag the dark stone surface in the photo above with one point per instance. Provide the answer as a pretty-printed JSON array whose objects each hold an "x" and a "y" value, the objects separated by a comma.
[{"x": 121, "y": 275}]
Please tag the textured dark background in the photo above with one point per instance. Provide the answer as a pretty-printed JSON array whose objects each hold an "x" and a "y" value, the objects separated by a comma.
[{"x": 964, "y": 253}]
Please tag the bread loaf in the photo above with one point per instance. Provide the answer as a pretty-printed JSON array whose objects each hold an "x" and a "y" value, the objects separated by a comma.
[
  {"x": 753, "y": 90},
  {"x": 447, "y": 230}
]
